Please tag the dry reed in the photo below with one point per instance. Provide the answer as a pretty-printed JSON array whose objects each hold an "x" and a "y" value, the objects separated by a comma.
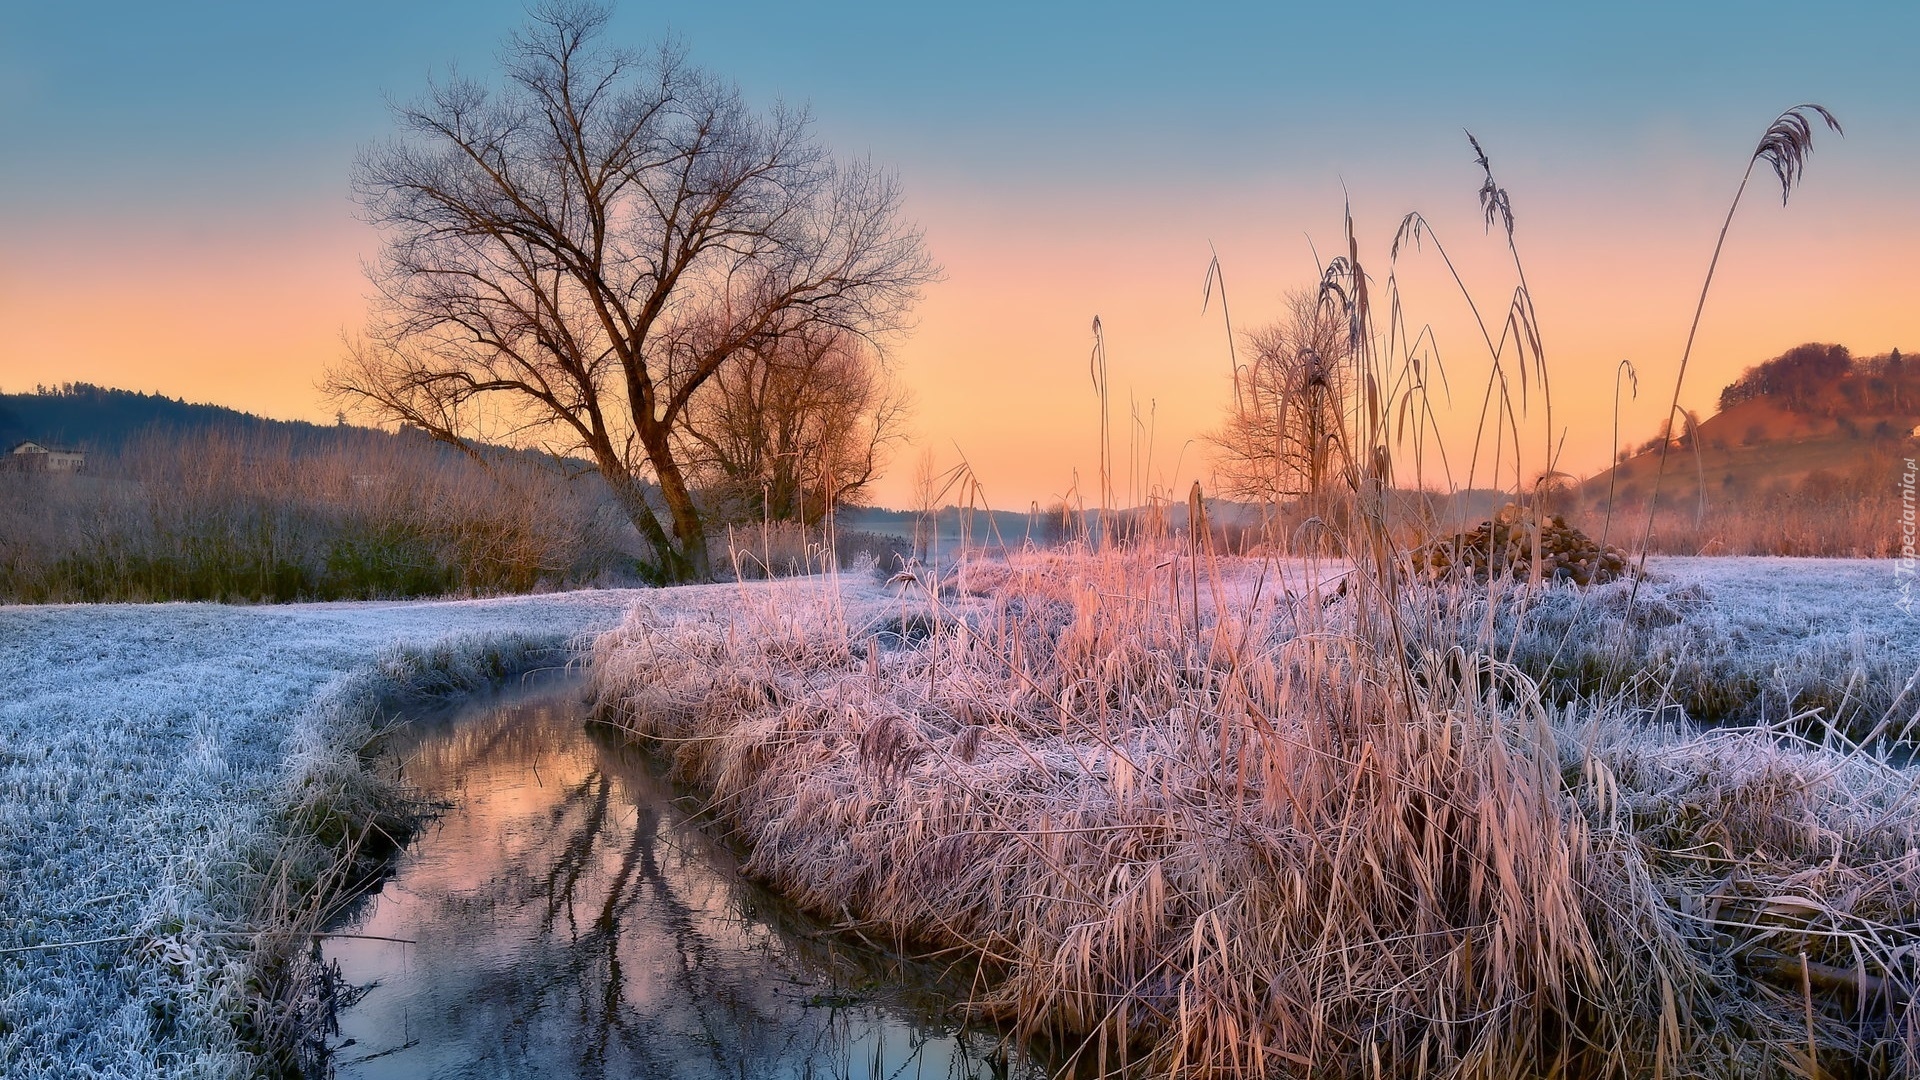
[
  {"x": 1258, "y": 849},
  {"x": 1300, "y": 819}
]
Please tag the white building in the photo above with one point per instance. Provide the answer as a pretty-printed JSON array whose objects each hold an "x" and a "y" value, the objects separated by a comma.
[{"x": 30, "y": 456}]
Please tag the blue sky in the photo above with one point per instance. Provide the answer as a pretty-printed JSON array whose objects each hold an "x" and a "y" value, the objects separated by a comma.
[
  {"x": 183, "y": 95},
  {"x": 136, "y": 131}
]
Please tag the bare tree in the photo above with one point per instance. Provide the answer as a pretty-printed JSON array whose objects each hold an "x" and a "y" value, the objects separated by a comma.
[
  {"x": 1288, "y": 405},
  {"x": 570, "y": 256},
  {"x": 792, "y": 426}
]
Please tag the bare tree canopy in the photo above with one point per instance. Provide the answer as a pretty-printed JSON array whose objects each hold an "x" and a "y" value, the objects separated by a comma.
[
  {"x": 1288, "y": 405},
  {"x": 571, "y": 255},
  {"x": 787, "y": 430}
]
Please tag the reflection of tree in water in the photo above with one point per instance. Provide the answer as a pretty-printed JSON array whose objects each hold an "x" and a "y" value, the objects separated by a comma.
[
  {"x": 578, "y": 847},
  {"x": 672, "y": 973}
]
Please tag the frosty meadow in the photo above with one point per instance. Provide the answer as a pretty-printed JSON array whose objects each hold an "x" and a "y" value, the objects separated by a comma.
[
  {"x": 1376, "y": 744},
  {"x": 1172, "y": 850}
]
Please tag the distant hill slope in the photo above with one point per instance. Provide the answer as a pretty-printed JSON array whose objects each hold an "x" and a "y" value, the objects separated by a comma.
[
  {"x": 1814, "y": 414},
  {"x": 101, "y": 420},
  {"x": 104, "y": 421}
]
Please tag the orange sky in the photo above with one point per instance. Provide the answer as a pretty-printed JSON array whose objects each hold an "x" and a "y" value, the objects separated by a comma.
[
  {"x": 246, "y": 306},
  {"x": 174, "y": 210},
  {"x": 1000, "y": 360}
]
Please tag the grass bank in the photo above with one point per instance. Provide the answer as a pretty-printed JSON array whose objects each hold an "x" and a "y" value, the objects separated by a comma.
[
  {"x": 178, "y": 784},
  {"x": 341, "y": 814},
  {"x": 1224, "y": 825},
  {"x": 1820, "y": 647}
]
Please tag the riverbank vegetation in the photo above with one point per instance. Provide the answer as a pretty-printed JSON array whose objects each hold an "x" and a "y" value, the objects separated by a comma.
[
  {"x": 1319, "y": 815},
  {"x": 168, "y": 841},
  {"x": 1203, "y": 819}
]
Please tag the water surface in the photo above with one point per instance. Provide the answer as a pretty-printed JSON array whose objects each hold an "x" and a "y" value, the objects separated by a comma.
[{"x": 567, "y": 917}]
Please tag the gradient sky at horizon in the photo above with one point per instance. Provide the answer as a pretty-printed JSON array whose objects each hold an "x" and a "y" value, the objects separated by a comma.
[{"x": 175, "y": 215}]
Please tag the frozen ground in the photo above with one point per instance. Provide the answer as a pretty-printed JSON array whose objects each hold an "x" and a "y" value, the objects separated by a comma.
[
  {"x": 1745, "y": 639},
  {"x": 143, "y": 750},
  {"x": 1729, "y": 639}
]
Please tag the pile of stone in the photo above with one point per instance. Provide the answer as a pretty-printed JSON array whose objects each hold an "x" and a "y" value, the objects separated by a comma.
[{"x": 1503, "y": 547}]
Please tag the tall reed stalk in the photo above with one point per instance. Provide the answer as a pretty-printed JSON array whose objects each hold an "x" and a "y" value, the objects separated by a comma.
[
  {"x": 1307, "y": 818},
  {"x": 1784, "y": 147}
]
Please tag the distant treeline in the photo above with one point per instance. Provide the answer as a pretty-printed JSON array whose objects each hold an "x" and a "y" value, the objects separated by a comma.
[
  {"x": 199, "y": 502},
  {"x": 214, "y": 514},
  {"x": 102, "y": 420},
  {"x": 1827, "y": 380}
]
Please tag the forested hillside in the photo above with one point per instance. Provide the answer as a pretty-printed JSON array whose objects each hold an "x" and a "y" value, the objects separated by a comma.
[
  {"x": 101, "y": 420},
  {"x": 1803, "y": 458}
]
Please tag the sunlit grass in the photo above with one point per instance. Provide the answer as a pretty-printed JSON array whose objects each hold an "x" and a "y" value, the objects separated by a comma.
[
  {"x": 1313, "y": 816},
  {"x": 1270, "y": 847}
]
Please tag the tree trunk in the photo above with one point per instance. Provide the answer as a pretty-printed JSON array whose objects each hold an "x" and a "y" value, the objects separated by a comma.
[
  {"x": 685, "y": 557},
  {"x": 634, "y": 502}
]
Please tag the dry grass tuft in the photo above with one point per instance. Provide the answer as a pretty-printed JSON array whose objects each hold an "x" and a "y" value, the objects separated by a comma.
[
  {"x": 1222, "y": 823},
  {"x": 1266, "y": 846}
]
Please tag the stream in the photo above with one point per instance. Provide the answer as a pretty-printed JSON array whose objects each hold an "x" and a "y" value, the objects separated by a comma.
[{"x": 566, "y": 916}]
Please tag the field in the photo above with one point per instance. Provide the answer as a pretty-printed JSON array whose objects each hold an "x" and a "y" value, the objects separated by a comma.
[
  {"x": 1326, "y": 715},
  {"x": 155, "y": 763},
  {"x": 1186, "y": 822}
]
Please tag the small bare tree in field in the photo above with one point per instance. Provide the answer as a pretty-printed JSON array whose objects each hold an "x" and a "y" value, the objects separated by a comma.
[
  {"x": 793, "y": 426},
  {"x": 572, "y": 255},
  {"x": 1289, "y": 402}
]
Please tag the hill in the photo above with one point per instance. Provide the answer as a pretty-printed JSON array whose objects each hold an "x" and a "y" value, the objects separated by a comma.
[
  {"x": 107, "y": 422},
  {"x": 1812, "y": 412},
  {"x": 102, "y": 420},
  {"x": 1805, "y": 449}
]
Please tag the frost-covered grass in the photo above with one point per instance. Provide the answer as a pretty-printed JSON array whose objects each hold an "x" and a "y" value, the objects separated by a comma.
[
  {"x": 1752, "y": 640},
  {"x": 1295, "y": 829},
  {"x": 151, "y": 759}
]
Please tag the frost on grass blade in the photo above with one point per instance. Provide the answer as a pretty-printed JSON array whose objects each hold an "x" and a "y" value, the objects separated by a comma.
[{"x": 146, "y": 755}]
